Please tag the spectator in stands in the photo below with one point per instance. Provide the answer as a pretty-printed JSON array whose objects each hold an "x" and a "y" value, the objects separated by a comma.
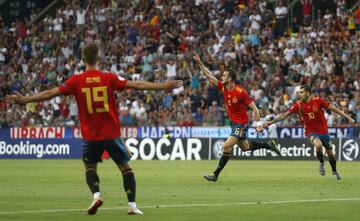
[
  {"x": 307, "y": 10},
  {"x": 141, "y": 41},
  {"x": 272, "y": 129},
  {"x": 357, "y": 15},
  {"x": 281, "y": 13}
]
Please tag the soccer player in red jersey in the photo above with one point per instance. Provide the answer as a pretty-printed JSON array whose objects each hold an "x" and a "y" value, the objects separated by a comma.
[
  {"x": 310, "y": 111},
  {"x": 237, "y": 100},
  {"x": 99, "y": 120}
]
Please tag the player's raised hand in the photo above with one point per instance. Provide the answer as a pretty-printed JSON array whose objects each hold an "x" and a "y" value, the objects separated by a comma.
[
  {"x": 259, "y": 129},
  {"x": 266, "y": 124},
  {"x": 351, "y": 121},
  {"x": 17, "y": 98},
  {"x": 196, "y": 57},
  {"x": 173, "y": 84}
]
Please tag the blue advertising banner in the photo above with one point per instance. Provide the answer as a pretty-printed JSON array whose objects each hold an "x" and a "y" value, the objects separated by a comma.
[
  {"x": 175, "y": 149},
  {"x": 40, "y": 148},
  {"x": 282, "y": 132},
  {"x": 158, "y": 132},
  {"x": 189, "y": 143},
  {"x": 207, "y": 132},
  {"x": 173, "y": 132},
  {"x": 298, "y": 132}
]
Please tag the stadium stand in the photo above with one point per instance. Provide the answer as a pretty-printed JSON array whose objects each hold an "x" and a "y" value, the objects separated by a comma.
[{"x": 273, "y": 50}]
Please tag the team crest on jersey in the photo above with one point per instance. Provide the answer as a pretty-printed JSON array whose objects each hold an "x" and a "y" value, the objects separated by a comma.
[
  {"x": 315, "y": 108},
  {"x": 239, "y": 89},
  {"x": 234, "y": 100}
]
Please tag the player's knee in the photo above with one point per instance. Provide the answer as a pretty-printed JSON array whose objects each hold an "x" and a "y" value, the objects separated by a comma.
[
  {"x": 318, "y": 148},
  {"x": 125, "y": 169},
  {"x": 318, "y": 145},
  {"x": 227, "y": 148},
  {"x": 330, "y": 153},
  {"x": 244, "y": 146},
  {"x": 124, "y": 166},
  {"x": 90, "y": 166}
]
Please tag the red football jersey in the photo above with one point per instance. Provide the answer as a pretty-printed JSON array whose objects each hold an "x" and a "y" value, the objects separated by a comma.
[
  {"x": 312, "y": 115},
  {"x": 98, "y": 112},
  {"x": 236, "y": 101}
]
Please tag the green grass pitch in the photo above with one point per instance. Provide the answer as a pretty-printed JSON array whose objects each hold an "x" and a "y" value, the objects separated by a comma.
[{"x": 175, "y": 190}]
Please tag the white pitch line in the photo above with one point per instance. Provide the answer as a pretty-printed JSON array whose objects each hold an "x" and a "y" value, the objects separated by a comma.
[{"x": 188, "y": 205}]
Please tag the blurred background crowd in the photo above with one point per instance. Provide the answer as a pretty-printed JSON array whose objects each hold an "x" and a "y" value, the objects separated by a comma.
[{"x": 272, "y": 50}]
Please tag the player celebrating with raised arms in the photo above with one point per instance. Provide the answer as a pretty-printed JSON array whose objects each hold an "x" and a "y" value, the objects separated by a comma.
[
  {"x": 237, "y": 101},
  {"x": 310, "y": 111},
  {"x": 99, "y": 120}
]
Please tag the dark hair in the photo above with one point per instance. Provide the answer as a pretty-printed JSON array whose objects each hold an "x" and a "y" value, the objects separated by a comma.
[
  {"x": 90, "y": 54},
  {"x": 306, "y": 88},
  {"x": 232, "y": 74}
]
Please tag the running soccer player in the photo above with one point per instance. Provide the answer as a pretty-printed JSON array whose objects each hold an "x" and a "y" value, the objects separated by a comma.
[
  {"x": 99, "y": 120},
  {"x": 237, "y": 100},
  {"x": 310, "y": 111}
]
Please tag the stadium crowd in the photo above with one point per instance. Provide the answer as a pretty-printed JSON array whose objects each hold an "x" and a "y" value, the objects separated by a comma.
[{"x": 154, "y": 40}]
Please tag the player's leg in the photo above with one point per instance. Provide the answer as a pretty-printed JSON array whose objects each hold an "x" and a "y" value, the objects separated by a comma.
[
  {"x": 247, "y": 145},
  {"x": 237, "y": 131},
  {"x": 325, "y": 139},
  {"x": 228, "y": 146},
  {"x": 92, "y": 179},
  {"x": 92, "y": 152},
  {"x": 121, "y": 156},
  {"x": 332, "y": 161},
  {"x": 129, "y": 187},
  {"x": 318, "y": 145}
]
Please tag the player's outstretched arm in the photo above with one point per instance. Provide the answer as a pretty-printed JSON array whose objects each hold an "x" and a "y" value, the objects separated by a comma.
[
  {"x": 278, "y": 118},
  {"x": 341, "y": 113},
  {"x": 145, "y": 85},
  {"x": 204, "y": 70},
  {"x": 255, "y": 110},
  {"x": 44, "y": 95}
]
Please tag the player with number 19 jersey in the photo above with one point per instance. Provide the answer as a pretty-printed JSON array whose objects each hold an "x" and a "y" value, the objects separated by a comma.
[
  {"x": 312, "y": 115},
  {"x": 98, "y": 112}
]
